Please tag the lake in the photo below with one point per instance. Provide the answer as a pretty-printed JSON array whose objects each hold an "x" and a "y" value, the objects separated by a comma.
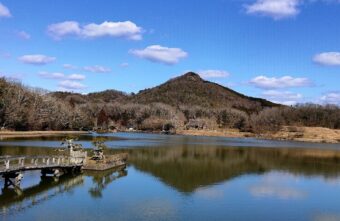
[{"x": 183, "y": 178}]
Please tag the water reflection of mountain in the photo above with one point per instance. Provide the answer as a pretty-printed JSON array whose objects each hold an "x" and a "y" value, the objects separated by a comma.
[{"x": 186, "y": 168}]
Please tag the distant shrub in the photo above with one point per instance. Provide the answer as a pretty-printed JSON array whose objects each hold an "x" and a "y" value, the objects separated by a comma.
[{"x": 268, "y": 120}]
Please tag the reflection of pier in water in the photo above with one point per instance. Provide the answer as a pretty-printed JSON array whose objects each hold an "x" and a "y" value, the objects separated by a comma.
[
  {"x": 13, "y": 201},
  {"x": 47, "y": 188},
  {"x": 188, "y": 168}
]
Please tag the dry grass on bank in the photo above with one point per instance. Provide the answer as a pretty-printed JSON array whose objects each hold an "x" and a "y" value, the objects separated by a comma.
[
  {"x": 305, "y": 134},
  {"x": 215, "y": 133},
  {"x": 309, "y": 134},
  {"x": 18, "y": 134}
]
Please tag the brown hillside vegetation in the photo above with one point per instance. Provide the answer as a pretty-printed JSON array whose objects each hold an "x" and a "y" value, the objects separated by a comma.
[
  {"x": 191, "y": 90},
  {"x": 183, "y": 103}
]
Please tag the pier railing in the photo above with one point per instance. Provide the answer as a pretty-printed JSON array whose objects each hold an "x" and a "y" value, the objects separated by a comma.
[{"x": 22, "y": 163}]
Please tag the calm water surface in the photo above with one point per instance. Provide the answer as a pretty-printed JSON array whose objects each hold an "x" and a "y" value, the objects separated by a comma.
[{"x": 183, "y": 178}]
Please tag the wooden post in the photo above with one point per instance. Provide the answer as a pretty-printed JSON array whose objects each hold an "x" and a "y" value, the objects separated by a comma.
[
  {"x": 22, "y": 162},
  {"x": 7, "y": 164},
  {"x": 18, "y": 179}
]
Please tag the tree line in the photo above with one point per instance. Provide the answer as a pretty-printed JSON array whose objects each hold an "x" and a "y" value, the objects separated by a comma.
[{"x": 24, "y": 108}]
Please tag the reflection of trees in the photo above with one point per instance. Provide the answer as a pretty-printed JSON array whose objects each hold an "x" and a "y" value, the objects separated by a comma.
[
  {"x": 187, "y": 168},
  {"x": 26, "y": 151},
  {"x": 48, "y": 188},
  {"x": 102, "y": 179}
]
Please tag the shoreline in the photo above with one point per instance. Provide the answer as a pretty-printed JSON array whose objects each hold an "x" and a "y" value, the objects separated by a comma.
[
  {"x": 301, "y": 134},
  {"x": 22, "y": 134}
]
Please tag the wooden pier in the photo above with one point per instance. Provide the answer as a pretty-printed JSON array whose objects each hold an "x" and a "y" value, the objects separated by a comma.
[{"x": 12, "y": 167}]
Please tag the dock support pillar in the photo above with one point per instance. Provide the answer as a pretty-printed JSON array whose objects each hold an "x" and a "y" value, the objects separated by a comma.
[{"x": 13, "y": 179}]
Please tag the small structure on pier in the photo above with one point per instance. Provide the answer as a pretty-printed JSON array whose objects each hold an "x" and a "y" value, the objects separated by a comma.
[{"x": 99, "y": 161}]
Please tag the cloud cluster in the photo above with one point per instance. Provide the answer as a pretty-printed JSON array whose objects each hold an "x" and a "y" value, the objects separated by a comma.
[
  {"x": 126, "y": 29},
  {"x": 66, "y": 82},
  {"x": 160, "y": 54},
  {"x": 70, "y": 66},
  {"x": 328, "y": 58},
  {"x": 4, "y": 11},
  {"x": 283, "y": 97},
  {"x": 282, "y": 82},
  {"x": 277, "y": 9},
  {"x": 36, "y": 59},
  {"x": 69, "y": 85},
  {"x": 331, "y": 98},
  {"x": 278, "y": 185},
  {"x": 97, "y": 69},
  {"x": 62, "y": 76},
  {"x": 213, "y": 74},
  {"x": 55, "y": 75}
]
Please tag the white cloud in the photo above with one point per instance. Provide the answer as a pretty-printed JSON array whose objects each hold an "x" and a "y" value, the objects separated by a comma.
[
  {"x": 126, "y": 29},
  {"x": 55, "y": 75},
  {"x": 70, "y": 66},
  {"x": 62, "y": 76},
  {"x": 282, "y": 82},
  {"x": 213, "y": 74},
  {"x": 331, "y": 98},
  {"x": 60, "y": 30},
  {"x": 4, "y": 11},
  {"x": 76, "y": 77},
  {"x": 282, "y": 97},
  {"x": 36, "y": 59},
  {"x": 68, "y": 85},
  {"x": 157, "y": 53},
  {"x": 24, "y": 35},
  {"x": 278, "y": 185},
  {"x": 328, "y": 58},
  {"x": 97, "y": 69},
  {"x": 277, "y": 9}
]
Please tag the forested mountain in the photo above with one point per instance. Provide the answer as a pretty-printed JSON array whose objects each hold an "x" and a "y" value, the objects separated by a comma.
[
  {"x": 183, "y": 102},
  {"x": 191, "y": 90}
]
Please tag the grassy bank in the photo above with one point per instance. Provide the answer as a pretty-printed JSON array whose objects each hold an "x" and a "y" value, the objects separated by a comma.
[
  {"x": 304, "y": 134},
  {"x": 19, "y": 134}
]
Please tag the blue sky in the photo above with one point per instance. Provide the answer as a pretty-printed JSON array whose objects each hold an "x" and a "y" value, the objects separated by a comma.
[{"x": 287, "y": 51}]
